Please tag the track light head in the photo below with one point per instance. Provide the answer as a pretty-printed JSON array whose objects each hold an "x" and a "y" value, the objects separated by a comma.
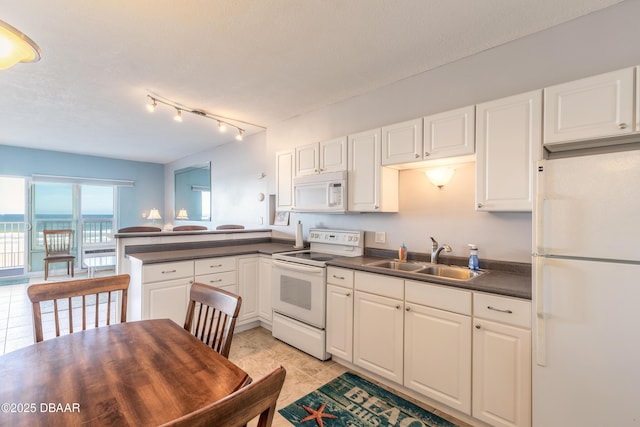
[
  {"x": 152, "y": 106},
  {"x": 222, "y": 127},
  {"x": 178, "y": 116},
  {"x": 239, "y": 135}
]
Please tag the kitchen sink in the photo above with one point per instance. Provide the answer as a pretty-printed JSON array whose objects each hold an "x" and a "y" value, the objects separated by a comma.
[
  {"x": 396, "y": 265},
  {"x": 437, "y": 270}
]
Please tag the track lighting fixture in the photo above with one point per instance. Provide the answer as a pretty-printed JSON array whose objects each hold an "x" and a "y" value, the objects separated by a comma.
[{"x": 223, "y": 122}]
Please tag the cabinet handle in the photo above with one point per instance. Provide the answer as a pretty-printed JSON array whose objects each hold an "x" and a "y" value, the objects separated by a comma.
[
  {"x": 215, "y": 266},
  {"x": 316, "y": 170},
  {"x": 215, "y": 281},
  {"x": 169, "y": 271},
  {"x": 478, "y": 326},
  {"x": 417, "y": 156},
  {"x": 398, "y": 307},
  {"x": 426, "y": 153},
  {"x": 408, "y": 308},
  {"x": 338, "y": 277},
  {"x": 348, "y": 294},
  {"x": 480, "y": 205},
  {"x": 500, "y": 310},
  {"x": 622, "y": 126},
  {"x": 376, "y": 207}
]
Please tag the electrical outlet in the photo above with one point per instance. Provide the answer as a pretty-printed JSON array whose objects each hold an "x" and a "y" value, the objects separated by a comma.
[{"x": 381, "y": 237}]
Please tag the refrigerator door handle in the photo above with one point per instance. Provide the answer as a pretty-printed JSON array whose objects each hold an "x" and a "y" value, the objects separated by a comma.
[
  {"x": 539, "y": 209},
  {"x": 540, "y": 321}
]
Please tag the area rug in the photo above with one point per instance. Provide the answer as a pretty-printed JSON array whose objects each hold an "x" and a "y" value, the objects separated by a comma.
[{"x": 350, "y": 400}]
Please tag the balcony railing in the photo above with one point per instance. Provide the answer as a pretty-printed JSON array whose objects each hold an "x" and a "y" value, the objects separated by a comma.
[{"x": 11, "y": 244}]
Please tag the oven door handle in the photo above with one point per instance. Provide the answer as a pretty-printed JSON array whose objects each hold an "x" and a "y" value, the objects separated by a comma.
[{"x": 298, "y": 267}]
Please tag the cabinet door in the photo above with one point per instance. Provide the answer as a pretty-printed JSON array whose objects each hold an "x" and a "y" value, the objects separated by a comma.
[
  {"x": 333, "y": 155},
  {"x": 284, "y": 180},
  {"x": 248, "y": 288},
  {"x": 501, "y": 374},
  {"x": 168, "y": 299},
  {"x": 307, "y": 159},
  {"x": 449, "y": 134},
  {"x": 378, "y": 338},
  {"x": 402, "y": 142},
  {"x": 264, "y": 289},
  {"x": 508, "y": 147},
  {"x": 437, "y": 355},
  {"x": 594, "y": 107},
  {"x": 371, "y": 187},
  {"x": 340, "y": 322}
]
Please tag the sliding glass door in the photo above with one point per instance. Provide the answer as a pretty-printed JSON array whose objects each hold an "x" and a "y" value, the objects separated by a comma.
[{"x": 13, "y": 226}]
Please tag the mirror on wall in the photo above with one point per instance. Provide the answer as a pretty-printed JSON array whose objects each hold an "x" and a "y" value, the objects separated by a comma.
[{"x": 193, "y": 193}]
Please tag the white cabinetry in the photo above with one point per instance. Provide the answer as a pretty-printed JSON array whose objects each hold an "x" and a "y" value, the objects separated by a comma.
[
  {"x": 248, "y": 283},
  {"x": 378, "y": 325},
  {"x": 508, "y": 133},
  {"x": 595, "y": 107},
  {"x": 165, "y": 290},
  {"x": 372, "y": 188},
  {"x": 437, "y": 344},
  {"x": 340, "y": 313},
  {"x": 502, "y": 360},
  {"x": 284, "y": 180},
  {"x": 218, "y": 272},
  {"x": 402, "y": 142},
  {"x": 326, "y": 156},
  {"x": 449, "y": 134},
  {"x": 264, "y": 289}
]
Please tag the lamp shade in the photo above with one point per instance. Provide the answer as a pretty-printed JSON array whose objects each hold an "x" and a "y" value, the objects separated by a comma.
[
  {"x": 182, "y": 214},
  {"x": 154, "y": 214},
  {"x": 440, "y": 176},
  {"x": 16, "y": 47}
]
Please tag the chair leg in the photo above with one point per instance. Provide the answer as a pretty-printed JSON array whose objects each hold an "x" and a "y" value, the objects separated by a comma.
[
  {"x": 72, "y": 268},
  {"x": 46, "y": 269}
]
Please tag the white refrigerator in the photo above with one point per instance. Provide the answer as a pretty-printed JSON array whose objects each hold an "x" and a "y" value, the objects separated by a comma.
[{"x": 586, "y": 291}]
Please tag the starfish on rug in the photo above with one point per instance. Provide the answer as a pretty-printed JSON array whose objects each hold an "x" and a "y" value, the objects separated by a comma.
[{"x": 317, "y": 414}]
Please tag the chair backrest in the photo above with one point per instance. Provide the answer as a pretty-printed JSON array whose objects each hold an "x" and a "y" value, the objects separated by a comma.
[
  {"x": 240, "y": 407},
  {"x": 57, "y": 242},
  {"x": 82, "y": 300},
  {"x": 230, "y": 227},
  {"x": 139, "y": 229},
  {"x": 189, "y": 228},
  {"x": 211, "y": 316}
]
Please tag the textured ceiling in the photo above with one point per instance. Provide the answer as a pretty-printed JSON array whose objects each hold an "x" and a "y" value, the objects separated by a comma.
[{"x": 260, "y": 61}]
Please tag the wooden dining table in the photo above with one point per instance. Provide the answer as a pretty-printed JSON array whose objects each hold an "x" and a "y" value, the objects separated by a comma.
[{"x": 141, "y": 373}]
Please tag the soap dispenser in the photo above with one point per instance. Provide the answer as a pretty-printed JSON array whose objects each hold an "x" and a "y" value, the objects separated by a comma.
[{"x": 473, "y": 257}]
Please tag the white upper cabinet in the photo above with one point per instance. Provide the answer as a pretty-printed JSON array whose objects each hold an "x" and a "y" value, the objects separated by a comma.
[
  {"x": 508, "y": 138},
  {"x": 372, "y": 188},
  {"x": 449, "y": 134},
  {"x": 326, "y": 156},
  {"x": 284, "y": 179},
  {"x": 333, "y": 155},
  {"x": 307, "y": 159},
  {"x": 595, "y": 107},
  {"x": 402, "y": 142}
]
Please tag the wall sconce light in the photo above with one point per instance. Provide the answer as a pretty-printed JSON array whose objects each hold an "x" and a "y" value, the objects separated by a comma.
[
  {"x": 16, "y": 47},
  {"x": 440, "y": 176},
  {"x": 182, "y": 214},
  {"x": 153, "y": 215}
]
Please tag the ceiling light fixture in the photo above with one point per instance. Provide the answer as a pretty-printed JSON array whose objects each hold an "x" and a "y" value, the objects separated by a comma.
[
  {"x": 223, "y": 122},
  {"x": 16, "y": 47}
]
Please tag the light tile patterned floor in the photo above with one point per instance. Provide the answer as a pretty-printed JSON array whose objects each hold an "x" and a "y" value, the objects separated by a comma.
[{"x": 255, "y": 350}]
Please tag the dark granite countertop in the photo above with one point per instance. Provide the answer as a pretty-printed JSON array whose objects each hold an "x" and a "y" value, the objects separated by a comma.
[
  {"x": 212, "y": 252},
  {"x": 502, "y": 282}
]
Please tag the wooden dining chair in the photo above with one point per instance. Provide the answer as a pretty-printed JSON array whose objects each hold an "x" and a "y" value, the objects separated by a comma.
[
  {"x": 211, "y": 316},
  {"x": 189, "y": 228},
  {"x": 256, "y": 399},
  {"x": 139, "y": 229},
  {"x": 57, "y": 247},
  {"x": 81, "y": 299}
]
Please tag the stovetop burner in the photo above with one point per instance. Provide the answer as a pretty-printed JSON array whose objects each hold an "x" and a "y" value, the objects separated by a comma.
[{"x": 313, "y": 256}]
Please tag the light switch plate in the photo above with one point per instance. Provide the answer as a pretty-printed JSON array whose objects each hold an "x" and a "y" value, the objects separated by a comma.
[{"x": 381, "y": 237}]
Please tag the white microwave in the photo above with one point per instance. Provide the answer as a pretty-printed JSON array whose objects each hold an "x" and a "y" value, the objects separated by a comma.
[{"x": 325, "y": 192}]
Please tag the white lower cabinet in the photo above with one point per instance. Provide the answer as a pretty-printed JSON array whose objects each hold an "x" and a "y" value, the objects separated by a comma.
[
  {"x": 248, "y": 280},
  {"x": 502, "y": 361},
  {"x": 437, "y": 344},
  {"x": 265, "y": 307},
  {"x": 165, "y": 291},
  {"x": 378, "y": 325}
]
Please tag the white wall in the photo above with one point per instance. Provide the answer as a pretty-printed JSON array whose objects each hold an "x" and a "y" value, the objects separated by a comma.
[{"x": 600, "y": 42}]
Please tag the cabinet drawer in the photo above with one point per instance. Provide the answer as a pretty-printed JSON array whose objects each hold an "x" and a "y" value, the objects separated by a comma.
[
  {"x": 380, "y": 285},
  {"x": 215, "y": 265},
  {"x": 512, "y": 311},
  {"x": 218, "y": 279},
  {"x": 340, "y": 276},
  {"x": 167, "y": 271},
  {"x": 443, "y": 298}
]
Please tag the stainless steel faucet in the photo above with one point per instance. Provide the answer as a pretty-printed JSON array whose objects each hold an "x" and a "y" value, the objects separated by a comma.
[{"x": 436, "y": 249}]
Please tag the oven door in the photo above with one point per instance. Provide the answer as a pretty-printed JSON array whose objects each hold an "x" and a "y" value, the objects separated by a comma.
[{"x": 299, "y": 292}]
